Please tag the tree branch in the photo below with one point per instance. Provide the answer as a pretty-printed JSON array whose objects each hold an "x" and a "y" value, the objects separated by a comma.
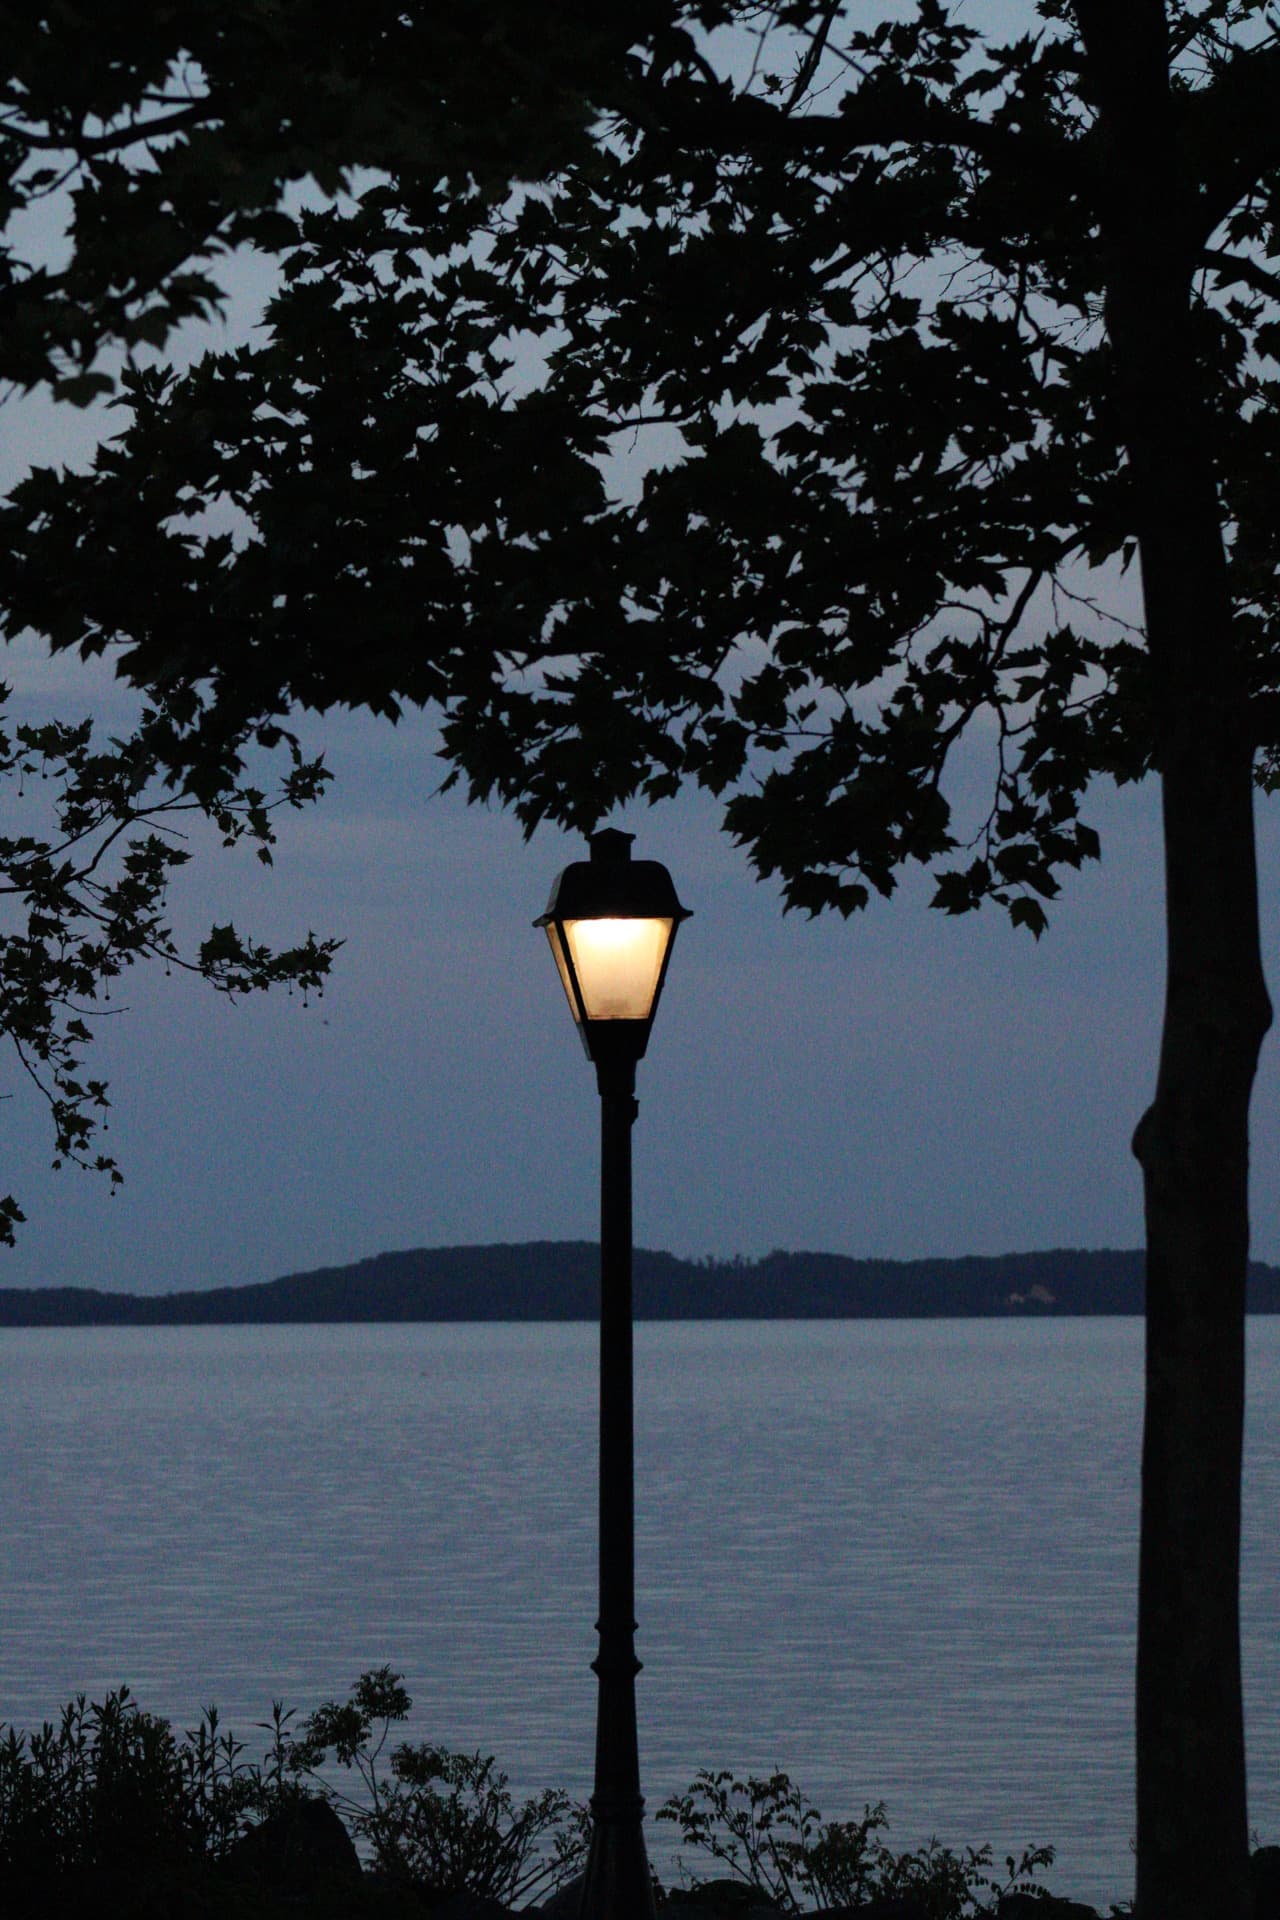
[
  {"x": 1232, "y": 132},
  {"x": 87, "y": 144},
  {"x": 889, "y": 114},
  {"x": 1232, "y": 269},
  {"x": 813, "y": 53}
]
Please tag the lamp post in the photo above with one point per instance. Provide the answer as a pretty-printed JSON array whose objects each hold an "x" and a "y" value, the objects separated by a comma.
[{"x": 611, "y": 922}]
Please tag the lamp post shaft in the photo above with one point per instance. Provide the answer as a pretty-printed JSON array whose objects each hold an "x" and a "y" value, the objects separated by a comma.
[{"x": 617, "y": 1885}]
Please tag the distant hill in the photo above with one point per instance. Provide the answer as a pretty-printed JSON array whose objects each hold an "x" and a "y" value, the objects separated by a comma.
[{"x": 557, "y": 1280}]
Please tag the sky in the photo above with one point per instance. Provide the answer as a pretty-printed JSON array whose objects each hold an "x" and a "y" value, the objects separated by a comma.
[{"x": 903, "y": 1084}]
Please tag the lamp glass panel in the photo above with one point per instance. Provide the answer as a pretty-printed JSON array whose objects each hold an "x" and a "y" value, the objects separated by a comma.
[
  {"x": 618, "y": 964},
  {"x": 562, "y": 965}
]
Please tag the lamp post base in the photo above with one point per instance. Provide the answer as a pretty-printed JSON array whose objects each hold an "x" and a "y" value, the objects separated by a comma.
[{"x": 617, "y": 1884}]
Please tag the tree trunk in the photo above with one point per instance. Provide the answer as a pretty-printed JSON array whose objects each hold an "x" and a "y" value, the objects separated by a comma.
[
  {"x": 1194, "y": 1149},
  {"x": 1193, "y": 1144}
]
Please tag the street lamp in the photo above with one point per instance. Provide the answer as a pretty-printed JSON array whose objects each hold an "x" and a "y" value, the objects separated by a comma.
[{"x": 611, "y": 922}]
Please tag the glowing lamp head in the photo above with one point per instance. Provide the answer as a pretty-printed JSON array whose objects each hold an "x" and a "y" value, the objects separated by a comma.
[{"x": 611, "y": 922}]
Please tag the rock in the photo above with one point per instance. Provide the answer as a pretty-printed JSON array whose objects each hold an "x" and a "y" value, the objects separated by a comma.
[
  {"x": 892, "y": 1906},
  {"x": 462, "y": 1905},
  {"x": 1042, "y": 1906},
  {"x": 565, "y": 1901},
  {"x": 727, "y": 1899},
  {"x": 299, "y": 1847},
  {"x": 678, "y": 1906},
  {"x": 728, "y": 1894},
  {"x": 1264, "y": 1878}
]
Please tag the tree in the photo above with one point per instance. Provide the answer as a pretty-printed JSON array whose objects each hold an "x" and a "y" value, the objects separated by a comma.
[
  {"x": 164, "y": 137},
  {"x": 786, "y": 436},
  {"x": 86, "y": 874},
  {"x": 142, "y": 150}
]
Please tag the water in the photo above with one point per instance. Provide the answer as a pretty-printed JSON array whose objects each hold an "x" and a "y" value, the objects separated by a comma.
[{"x": 896, "y": 1559}]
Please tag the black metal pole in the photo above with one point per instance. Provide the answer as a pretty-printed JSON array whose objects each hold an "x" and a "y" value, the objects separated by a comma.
[{"x": 617, "y": 1885}]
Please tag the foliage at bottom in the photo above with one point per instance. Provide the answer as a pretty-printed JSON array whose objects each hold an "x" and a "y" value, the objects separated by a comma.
[{"x": 110, "y": 1811}]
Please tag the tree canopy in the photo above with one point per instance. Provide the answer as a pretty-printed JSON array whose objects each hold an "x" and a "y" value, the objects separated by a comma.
[
  {"x": 162, "y": 138},
  {"x": 145, "y": 154},
  {"x": 775, "y": 445}
]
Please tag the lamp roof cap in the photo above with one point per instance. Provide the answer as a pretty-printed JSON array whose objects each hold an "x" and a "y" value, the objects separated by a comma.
[{"x": 611, "y": 885}]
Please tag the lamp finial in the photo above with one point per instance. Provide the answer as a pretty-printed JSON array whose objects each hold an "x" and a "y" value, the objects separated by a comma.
[{"x": 610, "y": 845}]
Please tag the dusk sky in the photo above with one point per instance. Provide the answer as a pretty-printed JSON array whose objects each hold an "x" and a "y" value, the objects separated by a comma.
[{"x": 902, "y": 1084}]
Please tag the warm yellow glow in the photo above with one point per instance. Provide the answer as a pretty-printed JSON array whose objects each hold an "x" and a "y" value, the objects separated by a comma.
[{"x": 618, "y": 964}]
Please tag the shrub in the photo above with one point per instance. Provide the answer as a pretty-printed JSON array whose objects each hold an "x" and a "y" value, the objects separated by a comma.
[
  {"x": 442, "y": 1821},
  {"x": 768, "y": 1836},
  {"x": 450, "y": 1821},
  {"x": 111, "y": 1791},
  {"x": 110, "y": 1787}
]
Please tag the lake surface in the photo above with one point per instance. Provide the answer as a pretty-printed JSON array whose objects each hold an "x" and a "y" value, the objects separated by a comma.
[{"x": 896, "y": 1559}]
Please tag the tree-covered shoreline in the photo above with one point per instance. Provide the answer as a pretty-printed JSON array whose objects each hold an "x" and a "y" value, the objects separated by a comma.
[{"x": 547, "y": 1280}]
